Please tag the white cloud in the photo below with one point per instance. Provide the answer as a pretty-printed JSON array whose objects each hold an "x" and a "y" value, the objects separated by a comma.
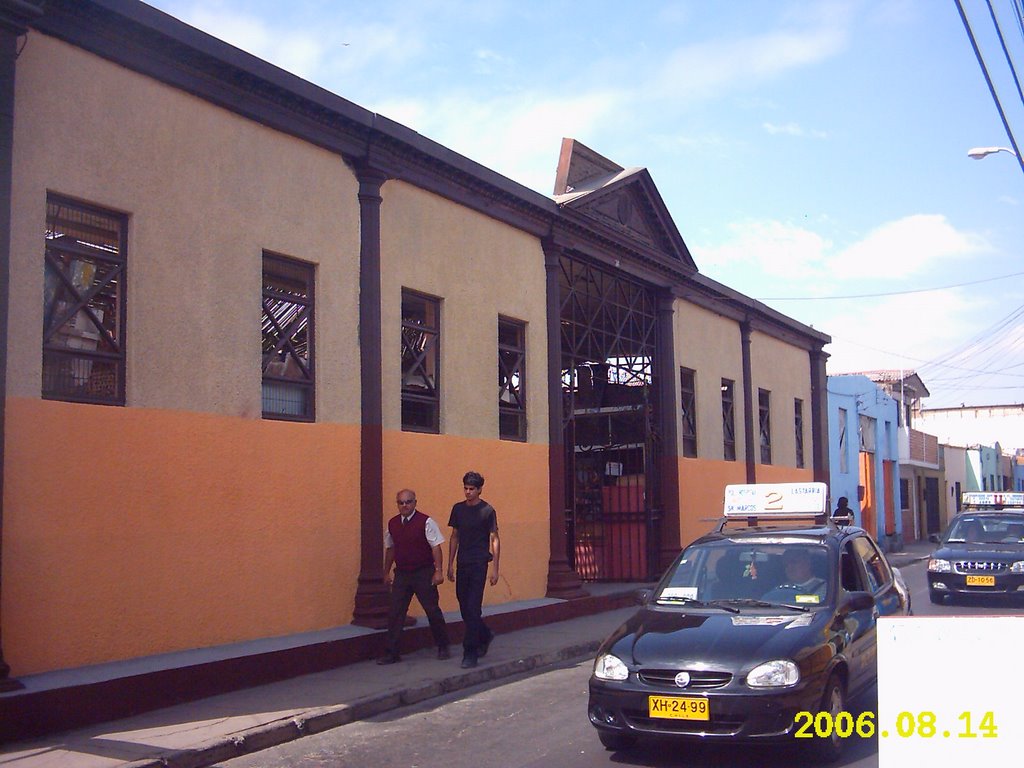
[
  {"x": 768, "y": 248},
  {"x": 515, "y": 135},
  {"x": 299, "y": 53},
  {"x": 792, "y": 129},
  {"x": 905, "y": 247},
  {"x": 708, "y": 68}
]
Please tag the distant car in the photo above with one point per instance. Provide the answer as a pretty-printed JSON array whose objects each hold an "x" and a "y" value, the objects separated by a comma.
[
  {"x": 981, "y": 554},
  {"x": 750, "y": 626}
]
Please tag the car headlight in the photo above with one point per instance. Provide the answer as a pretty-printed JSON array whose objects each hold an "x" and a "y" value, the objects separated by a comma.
[
  {"x": 774, "y": 674},
  {"x": 939, "y": 566},
  {"x": 608, "y": 667},
  {"x": 1017, "y": 567}
]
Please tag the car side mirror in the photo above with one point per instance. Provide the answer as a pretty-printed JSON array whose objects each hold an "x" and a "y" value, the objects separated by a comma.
[
  {"x": 860, "y": 601},
  {"x": 934, "y": 538},
  {"x": 643, "y": 596}
]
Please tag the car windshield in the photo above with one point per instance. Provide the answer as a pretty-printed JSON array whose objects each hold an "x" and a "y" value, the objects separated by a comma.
[
  {"x": 988, "y": 529},
  {"x": 735, "y": 572}
]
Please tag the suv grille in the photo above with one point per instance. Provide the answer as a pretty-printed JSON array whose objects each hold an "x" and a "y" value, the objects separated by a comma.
[{"x": 978, "y": 566}]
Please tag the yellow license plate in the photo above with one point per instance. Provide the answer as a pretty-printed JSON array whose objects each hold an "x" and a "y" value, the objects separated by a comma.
[
  {"x": 678, "y": 707},
  {"x": 981, "y": 581}
]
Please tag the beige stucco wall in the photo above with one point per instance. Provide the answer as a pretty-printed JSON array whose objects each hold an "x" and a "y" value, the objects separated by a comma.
[
  {"x": 207, "y": 191},
  {"x": 480, "y": 269},
  {"x": 710, "y": 345},
  {"x": 184, "y": 520},
  {"x": 785, "y": 371}
]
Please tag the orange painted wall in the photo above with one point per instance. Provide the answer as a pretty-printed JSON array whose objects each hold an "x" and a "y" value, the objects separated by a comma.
[
  {"x": 129, "y": 532},
  {"x": 702, "y": 493},
  {"x": 771, "y": 473},
  {"x": 516, "y": 484},
  {"x": 702, "y": 490}
]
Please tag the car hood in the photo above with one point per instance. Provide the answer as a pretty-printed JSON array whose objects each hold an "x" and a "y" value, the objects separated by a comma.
[
  {"x": 1004, "y": 552},
  {"x": 669, "y": 637}
]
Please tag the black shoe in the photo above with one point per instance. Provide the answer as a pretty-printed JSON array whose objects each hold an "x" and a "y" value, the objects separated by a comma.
[
  {"x": 485, "y": 645},
  {"x": 469, "y": 662},
  {"x": 443, "y": 652},
  {"x": 390, "y": 658}
]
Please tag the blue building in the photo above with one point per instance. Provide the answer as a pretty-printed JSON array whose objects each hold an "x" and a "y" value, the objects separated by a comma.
[{"x": 863, "y": 430}]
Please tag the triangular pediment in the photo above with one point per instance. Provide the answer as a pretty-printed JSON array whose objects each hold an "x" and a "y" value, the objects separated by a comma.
[{"x": 623, "y": 200}]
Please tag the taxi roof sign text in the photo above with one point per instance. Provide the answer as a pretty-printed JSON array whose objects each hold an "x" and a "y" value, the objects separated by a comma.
[
  {"x": 776, "y": 500},
  {"x": 993, "y": 499}
]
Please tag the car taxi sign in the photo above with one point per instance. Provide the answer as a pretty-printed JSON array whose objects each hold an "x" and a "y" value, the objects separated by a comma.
[
  {"x": 776, "y": 500},
  {"x": 993, "y": 499}
]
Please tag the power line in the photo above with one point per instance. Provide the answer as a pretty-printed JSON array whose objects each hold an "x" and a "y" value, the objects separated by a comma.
[
  {"x": 888, "y": 293},
  {"x": 988, "y": 80}
]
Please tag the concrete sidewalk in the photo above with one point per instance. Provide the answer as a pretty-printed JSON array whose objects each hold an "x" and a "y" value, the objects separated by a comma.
[
  {"x": 204, "y": 732},
  {"x": 210, "y": 730}
]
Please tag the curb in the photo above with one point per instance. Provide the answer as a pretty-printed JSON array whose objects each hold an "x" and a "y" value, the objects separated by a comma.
[{"x": 322, "y": 719}]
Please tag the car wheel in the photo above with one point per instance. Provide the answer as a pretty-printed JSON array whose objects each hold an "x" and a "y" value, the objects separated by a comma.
[
  {"x": 833, "y": 701},
  {"x": 616, "y": 741},
  {"x": 936, "y": 597}
]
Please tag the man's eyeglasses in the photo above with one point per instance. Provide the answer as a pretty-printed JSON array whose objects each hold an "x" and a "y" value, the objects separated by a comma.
[{"x": 404, "y": 502}]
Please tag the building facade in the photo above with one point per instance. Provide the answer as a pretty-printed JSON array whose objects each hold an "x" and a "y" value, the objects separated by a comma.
[
  {"x": 864, "y": 455},
  {"x": 266, "y": 310}
]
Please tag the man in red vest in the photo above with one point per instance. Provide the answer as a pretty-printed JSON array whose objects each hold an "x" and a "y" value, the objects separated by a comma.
[{"x": 412, "y": 544}]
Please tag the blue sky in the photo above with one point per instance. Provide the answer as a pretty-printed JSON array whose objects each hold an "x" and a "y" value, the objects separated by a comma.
[{"x": 808, "y": 151}]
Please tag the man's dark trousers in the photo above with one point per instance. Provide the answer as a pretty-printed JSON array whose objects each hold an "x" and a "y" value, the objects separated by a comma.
[
  {"x": 470, "y": 579},
  {"x": 405, "y": 585}
]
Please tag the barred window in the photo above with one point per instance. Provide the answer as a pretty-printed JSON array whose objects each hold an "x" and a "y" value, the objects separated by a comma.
[
  {"x": 288, "y": 311},
  {"x": 798, "y": 430},
  {"x": 511, "y": 379},
  {"x": 688, "y": 401},
  {"x": 728, "y": 420},
  {"x": 84, "y": 286},
  {"x": 764, "y": 409},
  {"x": 421, "y": 362}
]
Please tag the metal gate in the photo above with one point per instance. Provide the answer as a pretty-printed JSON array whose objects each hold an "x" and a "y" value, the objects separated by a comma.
[{"x": 608, "y": 345}]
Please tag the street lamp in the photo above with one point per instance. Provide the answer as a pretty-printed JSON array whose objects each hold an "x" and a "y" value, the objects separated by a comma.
[{"x": 981, "y": 152}]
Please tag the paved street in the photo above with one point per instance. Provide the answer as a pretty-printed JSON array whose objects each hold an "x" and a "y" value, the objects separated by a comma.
[{"x": 538, "y": 721}]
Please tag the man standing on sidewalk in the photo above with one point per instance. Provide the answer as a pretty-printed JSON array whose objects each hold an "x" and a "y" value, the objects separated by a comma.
[
  {"x": 474, "y": 543},
  {"x": 412, "y": 543}
]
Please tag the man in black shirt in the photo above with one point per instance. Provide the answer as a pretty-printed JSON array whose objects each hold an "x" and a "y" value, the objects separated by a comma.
[{"x": 473, "y": 545}]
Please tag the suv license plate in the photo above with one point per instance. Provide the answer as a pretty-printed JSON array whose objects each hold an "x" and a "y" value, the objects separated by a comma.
[
  {"x": 678, "y": 707},
  {"x": 981, "y": 581}
]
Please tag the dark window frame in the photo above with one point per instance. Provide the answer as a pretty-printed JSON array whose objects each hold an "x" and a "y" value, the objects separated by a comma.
[
  {"x": 798, "y": 430},
  {"x": 764, "y": 420},
  {"x": 288, "y": 330},
  {"x": 729, "y": 419},
  {"x": 421, "y": 360},
  {"x": 688, "y": 408},
  {"x": 512, "y": 423},
  {"x": 85, "y": 293}
]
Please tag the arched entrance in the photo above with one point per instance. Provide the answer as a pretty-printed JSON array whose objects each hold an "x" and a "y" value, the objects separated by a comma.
[{"x": 609, "y": 340}]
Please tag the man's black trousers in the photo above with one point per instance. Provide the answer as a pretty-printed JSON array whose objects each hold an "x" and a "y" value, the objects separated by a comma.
[
  {"x": 470, "y": 579},
  {"x": 405, "y": 585}
]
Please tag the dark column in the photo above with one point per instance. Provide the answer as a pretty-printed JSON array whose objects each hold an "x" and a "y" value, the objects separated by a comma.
[
  {"x": 748, "y": 406},
  {"x": 563, "y": 582},
  {"x": 668, "y": 423},
  {"x": 14, "y": 19},
  {"x": 819, "y": 416},
  {"x": 371, "y": 608}
]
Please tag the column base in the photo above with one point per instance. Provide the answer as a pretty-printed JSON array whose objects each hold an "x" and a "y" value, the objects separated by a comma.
[
  {"x": 8, "y": 683},
  {"x": 371, "y": 609},
  {"x": 564, "y": 584}
]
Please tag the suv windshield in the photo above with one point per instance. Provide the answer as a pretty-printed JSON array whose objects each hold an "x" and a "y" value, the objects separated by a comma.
[
  {"x": 733, "y": 571},
  {"x": 988, "y": 529}
]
